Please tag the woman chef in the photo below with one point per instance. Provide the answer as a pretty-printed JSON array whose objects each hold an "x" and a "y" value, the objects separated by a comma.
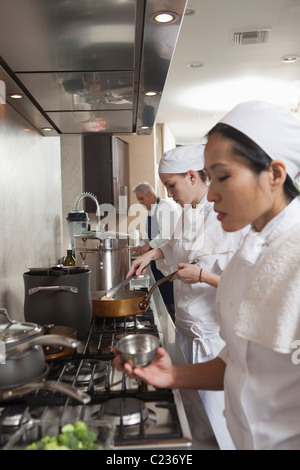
[
  {"x": 198, "y": 238},
  {"x": 252, "y": 156}
]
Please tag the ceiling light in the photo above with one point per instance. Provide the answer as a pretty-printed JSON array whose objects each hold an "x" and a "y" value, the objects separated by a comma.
[
  {"x": 195, "y": 65},
  {"x": 47, "y": 129},
  {"x": 16, "y": 96},
  {"x": 145, "y": 127},
  {"x": 151, "y": 93},
  {"x": 165, "y": 17},
  {"x": 288, "y": 59}
]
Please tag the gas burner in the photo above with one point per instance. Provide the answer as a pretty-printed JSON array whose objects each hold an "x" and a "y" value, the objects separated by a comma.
[
  {"x": 89, "y": 369},
  {"x": 128, "y": 411},
  {"x": 14, "y": 416}
]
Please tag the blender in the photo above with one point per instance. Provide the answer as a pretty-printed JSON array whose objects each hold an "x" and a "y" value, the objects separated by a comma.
[{"x": 78, "y": 222}]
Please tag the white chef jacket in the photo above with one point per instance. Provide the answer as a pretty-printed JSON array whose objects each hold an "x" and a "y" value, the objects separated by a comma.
[
  {"x": 199, "y": 235},
  {"x": 262, "y": 386},
  {"x": 164, "y": 217}
]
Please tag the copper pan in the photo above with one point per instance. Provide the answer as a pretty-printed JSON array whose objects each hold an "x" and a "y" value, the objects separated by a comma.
[{"x": 127, "y": 303}]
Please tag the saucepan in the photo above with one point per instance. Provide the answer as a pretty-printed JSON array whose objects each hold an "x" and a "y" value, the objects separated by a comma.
[
  {"x": 125, "y": 303},
  {"x": 24, "y": 367}
]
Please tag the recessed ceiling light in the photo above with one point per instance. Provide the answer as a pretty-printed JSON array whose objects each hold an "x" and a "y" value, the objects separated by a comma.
[
  {"x": 145, "y": 127},
  {"x": 47, "y": 129},
  {"x": 151, "y": 93},
  {"x": 165, "y": 17},
  {"x": 288, "y": 59},
  {"x": 195, "y": 65},
  {"x": 16, "y": 96}
]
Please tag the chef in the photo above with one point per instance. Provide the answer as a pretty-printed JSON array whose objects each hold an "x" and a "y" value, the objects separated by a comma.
[
  {"x": 252, "y": 157},
  {"x": 162, "y": 218},
  {"x": 201, "y": 249}
]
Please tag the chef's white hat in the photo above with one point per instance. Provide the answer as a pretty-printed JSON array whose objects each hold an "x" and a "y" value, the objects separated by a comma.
[
  {"x": 273, "y": 128},
  {"x": 181, "y": 159}
]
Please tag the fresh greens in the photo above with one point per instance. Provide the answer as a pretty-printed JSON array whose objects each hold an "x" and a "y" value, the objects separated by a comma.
[{"x": 72, "y": 437}]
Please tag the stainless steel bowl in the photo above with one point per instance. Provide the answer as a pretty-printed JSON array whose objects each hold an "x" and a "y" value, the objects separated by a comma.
[{"x": 140, "y": 349}]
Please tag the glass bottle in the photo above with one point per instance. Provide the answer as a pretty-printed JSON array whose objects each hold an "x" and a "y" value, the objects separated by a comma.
[{"x": 70, "y": 260}]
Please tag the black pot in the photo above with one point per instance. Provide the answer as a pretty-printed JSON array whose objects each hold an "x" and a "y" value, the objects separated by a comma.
[{"x": 59, "y": 295}]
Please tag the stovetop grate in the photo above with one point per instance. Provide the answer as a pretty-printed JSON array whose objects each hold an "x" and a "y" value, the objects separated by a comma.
[{"x": 94, "y": 374}]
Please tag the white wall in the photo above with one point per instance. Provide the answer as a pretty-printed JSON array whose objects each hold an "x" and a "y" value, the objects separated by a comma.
[{"x": 30, "y": 205}]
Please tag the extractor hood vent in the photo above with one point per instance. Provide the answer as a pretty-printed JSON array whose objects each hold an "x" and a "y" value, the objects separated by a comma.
[
  {"x": 87, "y": 66},
  {"x": 251, "y": 37}
]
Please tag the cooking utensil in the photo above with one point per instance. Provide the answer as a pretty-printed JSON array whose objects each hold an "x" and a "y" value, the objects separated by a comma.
[
  {"x": 126, "y": 303},
  {"x": 26, "y": 361},
  {"x": 54, "y": 352},
  {"x": 140, "y": 349},
  {"x": 24, "y": 356},
  {"x": 108, "y": 255},
  {"x": 60, "y": 295},
  {"x": 111, "y": 293},
  {"x": 39, "y": 383}
]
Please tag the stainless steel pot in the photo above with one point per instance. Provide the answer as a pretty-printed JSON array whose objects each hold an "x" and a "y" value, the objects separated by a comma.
[
  {"x": 59, "y": 295},
  {"x": 108, "y": 256},
  {"x": 25, "y": 368},
  {"x": 24, "y": 355}
]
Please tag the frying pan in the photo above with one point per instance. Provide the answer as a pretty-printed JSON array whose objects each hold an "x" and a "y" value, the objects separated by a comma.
[{"x": 126, "y": 303}]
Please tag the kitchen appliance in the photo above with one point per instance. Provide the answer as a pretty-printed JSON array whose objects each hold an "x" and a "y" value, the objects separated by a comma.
[
  {"x": 93, "y": 62},
  {"x": 59, "y": 295},
  {"x": 108, "y": 256},
  {"x": 78, "y": 222},
  {"x": 145, "y": 417}
]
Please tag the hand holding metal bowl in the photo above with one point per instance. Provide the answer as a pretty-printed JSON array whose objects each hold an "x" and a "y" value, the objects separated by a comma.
[{"x": 140, "y": 349}]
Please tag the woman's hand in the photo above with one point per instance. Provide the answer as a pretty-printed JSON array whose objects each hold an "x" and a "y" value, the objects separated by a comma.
[
  {"x": 139, "y": 264},
  {"x": 187, "y": 273},
  {"x": 190, "y": 274},
  {"x": 159, "y": 373}
]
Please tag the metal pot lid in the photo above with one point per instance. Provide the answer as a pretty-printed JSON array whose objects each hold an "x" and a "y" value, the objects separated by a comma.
[
  {"x": 12, "y": 333},
  {"x": 58, "y": 270}
]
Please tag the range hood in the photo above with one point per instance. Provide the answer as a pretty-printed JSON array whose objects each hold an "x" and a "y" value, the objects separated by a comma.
[{"x": 85, "y": 66}]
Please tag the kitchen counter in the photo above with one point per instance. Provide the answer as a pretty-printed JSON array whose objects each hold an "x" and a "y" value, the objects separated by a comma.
[{"x": 202, "y": 433}]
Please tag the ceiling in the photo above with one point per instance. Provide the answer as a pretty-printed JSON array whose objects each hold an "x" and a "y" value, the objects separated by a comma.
[
  {"x": 85, "y": 66},
  {"x": 195, "y": 98}
]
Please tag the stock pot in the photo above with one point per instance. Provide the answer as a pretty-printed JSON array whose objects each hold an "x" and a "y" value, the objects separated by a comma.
[{"x": 59, "y": 295}]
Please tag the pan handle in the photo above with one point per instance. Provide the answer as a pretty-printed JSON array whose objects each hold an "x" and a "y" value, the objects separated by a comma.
[
  {"x": 50, "y": 385},
  {"x": 47, "y": 340},
  {"x": 34, "y": 290},
  {"x": 145, "y": 303}
]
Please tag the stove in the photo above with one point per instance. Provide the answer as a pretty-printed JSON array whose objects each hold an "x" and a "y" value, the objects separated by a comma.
[{"x": 141, "y": 416}]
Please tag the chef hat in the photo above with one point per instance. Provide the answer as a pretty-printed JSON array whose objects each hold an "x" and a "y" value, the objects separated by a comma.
[
  {"x": 273, "y": 128},
  {"x": 182, "y": 159}
]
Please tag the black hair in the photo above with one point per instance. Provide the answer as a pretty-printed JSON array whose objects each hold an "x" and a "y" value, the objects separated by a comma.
[{"x": 260, "y": 161}]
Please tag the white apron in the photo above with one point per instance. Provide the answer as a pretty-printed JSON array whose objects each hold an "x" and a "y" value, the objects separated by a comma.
[
  {"x": 197, "y": 327},
  {"x": 258, "y": 323}
]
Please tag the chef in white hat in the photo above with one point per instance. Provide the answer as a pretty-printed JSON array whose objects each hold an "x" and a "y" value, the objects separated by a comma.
[
  {"x": 201, "y": 249},
  {"x": 253, "y": 157}
]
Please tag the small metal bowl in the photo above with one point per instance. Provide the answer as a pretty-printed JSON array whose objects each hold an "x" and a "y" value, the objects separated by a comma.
[{"x": 140, "y": 349}]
